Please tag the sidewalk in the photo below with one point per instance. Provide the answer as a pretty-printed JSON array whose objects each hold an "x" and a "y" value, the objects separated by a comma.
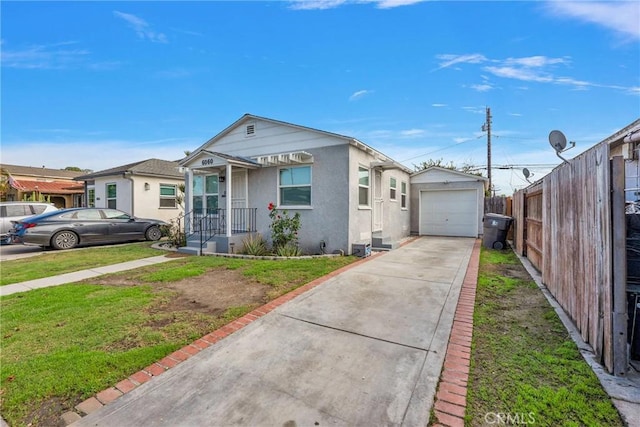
[{"x": 80, "y": 275}]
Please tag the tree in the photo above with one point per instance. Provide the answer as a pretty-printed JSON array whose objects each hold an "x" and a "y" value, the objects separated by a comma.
[
  {"x": 73, "y": 169},
  {"x": 465, "y": 168}
]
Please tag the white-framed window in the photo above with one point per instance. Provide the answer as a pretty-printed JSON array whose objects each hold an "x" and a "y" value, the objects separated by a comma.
[
  {"x": 112, "y": 195},
  {"x": 168, "y": 193},
  {"x": 294, "y": 186},
  {"x": 403, "y": 195},
  {"x": 393, "y": 186},
  {"x": 91, "y": 198},
  {"x": 363, "y": 186},
  {"x": 205, "y": 193}
]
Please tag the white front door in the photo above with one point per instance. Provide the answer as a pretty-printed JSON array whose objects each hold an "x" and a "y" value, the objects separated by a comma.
[
  {"x": 377, "y": 201},
  {"x": 239, "y": 200}
]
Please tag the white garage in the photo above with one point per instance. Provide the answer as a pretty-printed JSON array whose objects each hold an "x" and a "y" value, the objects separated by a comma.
[{"x": 447, "y": 203}]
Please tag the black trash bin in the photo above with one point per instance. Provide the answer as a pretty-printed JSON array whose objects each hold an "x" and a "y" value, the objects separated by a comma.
[{"x": 496, "y": 227}]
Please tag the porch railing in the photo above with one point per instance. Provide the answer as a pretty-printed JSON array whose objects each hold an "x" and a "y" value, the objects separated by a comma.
[{"x": 213, "y": 223}]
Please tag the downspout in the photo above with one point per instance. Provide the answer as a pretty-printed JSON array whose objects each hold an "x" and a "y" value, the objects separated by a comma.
[
  {"x": 127, "y": 176},
  {"x": 632, "y": 137}
]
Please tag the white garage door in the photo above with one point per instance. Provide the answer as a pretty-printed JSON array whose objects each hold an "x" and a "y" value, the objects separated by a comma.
[{"x": 449, "y": 213}]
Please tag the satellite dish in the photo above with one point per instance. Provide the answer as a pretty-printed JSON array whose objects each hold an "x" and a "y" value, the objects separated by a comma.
[
  {"x": 557, "y": 140},
  {"x": 526, "y": 173}
]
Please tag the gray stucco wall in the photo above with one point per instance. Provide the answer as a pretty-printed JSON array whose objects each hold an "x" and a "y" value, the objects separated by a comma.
[{"x": 327, "y": 218}]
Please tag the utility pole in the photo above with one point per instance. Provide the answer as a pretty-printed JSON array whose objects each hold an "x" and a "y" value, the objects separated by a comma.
[{"x": 486, "y": 127}]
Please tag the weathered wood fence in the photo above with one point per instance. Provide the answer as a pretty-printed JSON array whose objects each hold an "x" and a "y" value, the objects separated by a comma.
[{"x": 563, "y": 225}]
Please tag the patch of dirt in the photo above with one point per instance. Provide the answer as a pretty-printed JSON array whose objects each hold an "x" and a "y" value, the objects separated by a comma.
[
  {"x": 211, "y": 293},
  {"x": 48, "y": 413}
]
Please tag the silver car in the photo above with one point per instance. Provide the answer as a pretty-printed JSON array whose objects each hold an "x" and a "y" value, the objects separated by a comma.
[
  {"x": 15, "y": 211},
  {"x": 68, "y": 228}
]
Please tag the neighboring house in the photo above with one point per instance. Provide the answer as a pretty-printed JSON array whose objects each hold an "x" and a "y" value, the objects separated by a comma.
[
  {"x": 145, "y": 189},
  {"x": 446, "y": 202},
  {"x": 346, "y": 192},
  {"x": 626, "y": 143},
  {"x": 41, "y": 184}
]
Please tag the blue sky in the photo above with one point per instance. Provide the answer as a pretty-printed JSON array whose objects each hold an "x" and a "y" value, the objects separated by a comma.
[{"x": 101, "y": 84}]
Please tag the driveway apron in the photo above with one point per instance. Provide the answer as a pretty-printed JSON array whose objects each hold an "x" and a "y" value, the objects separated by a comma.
[{"x": 366, "y": 347}]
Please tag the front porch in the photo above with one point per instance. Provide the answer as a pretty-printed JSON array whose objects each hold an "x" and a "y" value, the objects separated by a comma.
[{"x": 215, "y": 231}]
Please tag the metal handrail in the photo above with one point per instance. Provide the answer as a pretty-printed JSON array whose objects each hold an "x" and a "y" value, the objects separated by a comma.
[{"x": 243, "y": 220}]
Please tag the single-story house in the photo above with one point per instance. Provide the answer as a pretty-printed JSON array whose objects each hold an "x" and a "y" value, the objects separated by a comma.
[
  {"x": 446, "y": 202},
  {"x": 626, "y": 143},
  {"x": 31, "y": 183},
  {"x": 145, "y": 189},
  {"x": 349, "y": 196}
]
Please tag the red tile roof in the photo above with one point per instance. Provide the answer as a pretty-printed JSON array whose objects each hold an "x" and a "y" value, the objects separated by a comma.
[{"x": 48, "y": 187}]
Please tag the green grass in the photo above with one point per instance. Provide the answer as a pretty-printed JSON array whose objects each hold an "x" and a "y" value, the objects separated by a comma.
[
  {"x": 60, "y": 262},
  {"x": 524, "y": 364},
  {"x": 61, "y": 345}
]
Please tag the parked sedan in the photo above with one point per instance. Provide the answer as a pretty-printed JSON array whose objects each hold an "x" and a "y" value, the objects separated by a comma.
[{"x": 68, "y": 228}]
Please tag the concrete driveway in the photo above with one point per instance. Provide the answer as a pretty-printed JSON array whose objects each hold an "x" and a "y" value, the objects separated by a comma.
[{"x": 364, "y": 348}]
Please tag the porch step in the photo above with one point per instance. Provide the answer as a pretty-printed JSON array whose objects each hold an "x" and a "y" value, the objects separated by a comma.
[
  {"x": 193, "y": 248},
  {"x": 383, "y": 244}
]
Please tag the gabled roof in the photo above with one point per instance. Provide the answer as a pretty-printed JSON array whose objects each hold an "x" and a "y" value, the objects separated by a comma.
[
  {"x": 149, "y": 167},
  {"x": 451, "y": 171},
  {"x": 247, "y": 117},
  {"x": 40, "y": 172}
]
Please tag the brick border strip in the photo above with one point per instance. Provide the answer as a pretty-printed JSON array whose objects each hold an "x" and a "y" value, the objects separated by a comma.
[
  {"x": 132, "y": 382},
  {"x": 451, "y": 398}
]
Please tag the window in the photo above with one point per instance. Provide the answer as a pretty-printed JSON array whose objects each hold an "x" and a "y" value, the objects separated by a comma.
[
  {"x": 363, "y": 186},
  {"x": 392, "y": 188},
  {"x": 294, "y": 186},
  {"x": 91, "y": 198},
  {"x": 403, "y": 195},
  {"x": 205, "y": 190},
  {"x": 168, "y": 194},
  {"x": 111, "y": 196}
]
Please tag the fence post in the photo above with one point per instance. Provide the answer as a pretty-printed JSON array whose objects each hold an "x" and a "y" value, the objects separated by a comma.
[{"x": 619, "y": 256}]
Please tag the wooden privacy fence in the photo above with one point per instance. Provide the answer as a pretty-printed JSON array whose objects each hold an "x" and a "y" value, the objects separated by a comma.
[{"x": 563, "y": 225}]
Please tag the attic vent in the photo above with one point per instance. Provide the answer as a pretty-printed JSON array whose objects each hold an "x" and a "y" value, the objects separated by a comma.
[{"x": 250, "y": 130}]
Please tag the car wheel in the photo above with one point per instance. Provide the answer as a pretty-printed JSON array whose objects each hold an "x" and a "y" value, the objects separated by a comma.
[
  {"x": 153, "y": 233},
  {"x": 64, "y": 240}
]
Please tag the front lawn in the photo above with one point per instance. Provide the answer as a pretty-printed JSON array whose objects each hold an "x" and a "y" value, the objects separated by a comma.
[
  {"x": 60, "y": 262},
  {"x": 63, "y": 344}
]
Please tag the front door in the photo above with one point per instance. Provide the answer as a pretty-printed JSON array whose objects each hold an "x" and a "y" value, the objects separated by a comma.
[
  {"x": 377, "y": 201},
  {"x": 239, "y": 200}
]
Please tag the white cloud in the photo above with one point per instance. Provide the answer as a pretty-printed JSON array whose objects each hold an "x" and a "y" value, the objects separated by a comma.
[
  {"x": 46, "y": 56},
  {"x": 525, "y": 74},
  {"x": 536, "y": 61},
  {"x": 141, "y": 27},
  {"x": 450, "y": 60},
  {"x": 482, "y": 88},
  {"x": 332, "y": 4},
  {"x": 439, "y": 105},
  {"x": 412, "y": 133},
  {"x": 359, "y": 94},
  {"x": 622, "y": 17}
]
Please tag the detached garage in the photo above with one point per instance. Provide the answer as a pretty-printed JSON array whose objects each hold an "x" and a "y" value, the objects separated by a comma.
[{"x": 445, "y": 202}]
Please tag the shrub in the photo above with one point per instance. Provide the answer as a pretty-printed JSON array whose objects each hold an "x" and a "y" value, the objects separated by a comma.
[
  {"x": 175, "y": 234},
  {"x": 284, "y": 228},
  {"x": 254, "y": 245},
  {"x": 288, "y": 250}
]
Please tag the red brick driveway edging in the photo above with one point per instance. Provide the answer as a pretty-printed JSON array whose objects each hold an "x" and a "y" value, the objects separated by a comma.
[{"x": 451, "y": 399}]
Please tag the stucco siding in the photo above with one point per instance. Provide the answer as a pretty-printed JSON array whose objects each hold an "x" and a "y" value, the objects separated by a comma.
[
  {"x": 123, "y": 193},
  {"x": 147, "y": 202},
  {"x": 327, "y": 218}
]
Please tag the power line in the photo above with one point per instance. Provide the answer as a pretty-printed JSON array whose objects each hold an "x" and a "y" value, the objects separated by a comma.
[{"x": 443, "y": 148}]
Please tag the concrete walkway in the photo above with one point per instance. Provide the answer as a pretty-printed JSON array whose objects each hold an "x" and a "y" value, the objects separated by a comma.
[
  {"x": 364, "y": 347},
  {"x": 80, "y": 275}
]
